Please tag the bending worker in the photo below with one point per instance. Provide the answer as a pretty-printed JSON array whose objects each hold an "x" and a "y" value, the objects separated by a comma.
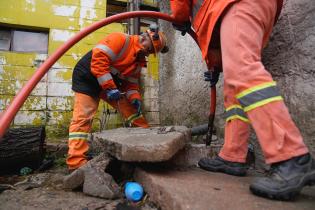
[
  {"x": 110, "y": 71},
  {"x": 250, "y": 93}
]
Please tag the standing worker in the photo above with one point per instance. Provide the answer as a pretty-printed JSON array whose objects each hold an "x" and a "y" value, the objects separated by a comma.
[
  {"x": 110, "y": 69},
  {"x": 250, "y": 94}
]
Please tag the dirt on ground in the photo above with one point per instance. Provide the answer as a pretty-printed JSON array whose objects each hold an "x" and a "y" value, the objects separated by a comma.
[{"x": 45, "y": 191}]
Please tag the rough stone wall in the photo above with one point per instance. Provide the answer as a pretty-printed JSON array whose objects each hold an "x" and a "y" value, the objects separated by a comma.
[
  {"x": 183, "y": 93},
  {"x": 289, "y": 56}
]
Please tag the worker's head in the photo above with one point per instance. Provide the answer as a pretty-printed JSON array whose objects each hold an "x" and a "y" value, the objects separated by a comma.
[{"x": 153, "y": 41}]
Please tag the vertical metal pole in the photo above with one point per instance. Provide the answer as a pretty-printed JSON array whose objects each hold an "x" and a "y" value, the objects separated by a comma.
[
  {"x": 136, "y": 20},
  {"x": 131, "y": 20}
]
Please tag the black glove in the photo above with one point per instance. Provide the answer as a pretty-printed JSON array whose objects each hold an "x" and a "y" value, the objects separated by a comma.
[
  {"x": 184, "y": 28},
  {"x": 212, "y": 77}
]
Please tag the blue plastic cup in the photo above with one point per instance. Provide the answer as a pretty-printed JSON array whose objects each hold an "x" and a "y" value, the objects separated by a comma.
[{"x": 133, "y": 191}]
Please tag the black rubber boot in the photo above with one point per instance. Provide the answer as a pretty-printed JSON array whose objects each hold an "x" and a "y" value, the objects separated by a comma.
[
  {"x": 286, "y": 179},
  {"x": 220, "y": 165}
]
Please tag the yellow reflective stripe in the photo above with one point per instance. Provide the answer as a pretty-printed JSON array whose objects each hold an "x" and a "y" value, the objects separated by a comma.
[
  {"x": 137, "y": 117},
  {"x": 78, "y": 133},
  {"x": 134, "y": 117},
  {"x": 234, "y": 117},
  {"x": 263, "y": 102},
  {"x": 235, "y": 112},
  {"x": 78, "y": 138},
  {"x": 255, "y": 88},
  {"x": 233, "y": 106}
]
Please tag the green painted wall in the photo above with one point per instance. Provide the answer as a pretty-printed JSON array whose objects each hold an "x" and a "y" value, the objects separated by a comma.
[{"x": 51, "y": 101}]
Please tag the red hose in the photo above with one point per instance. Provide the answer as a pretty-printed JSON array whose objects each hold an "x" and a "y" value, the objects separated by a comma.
[{"x": 8, "y": 115}]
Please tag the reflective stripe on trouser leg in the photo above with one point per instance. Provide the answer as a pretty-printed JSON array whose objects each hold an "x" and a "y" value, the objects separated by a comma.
[
  {"x": 259, "y": 95},
  {"x": 278, "y": 136},
  {"x": 83, "y": 112},
  {"x": 128, "y": 111},
  {"x": 236, "y": 131},
  {"x": 235, "y": 112}
]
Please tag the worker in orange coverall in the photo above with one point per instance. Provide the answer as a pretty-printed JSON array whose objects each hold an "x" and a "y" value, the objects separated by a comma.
[
  {"x": 250, "y": 94},
  {"x": 110, "y": 71}
]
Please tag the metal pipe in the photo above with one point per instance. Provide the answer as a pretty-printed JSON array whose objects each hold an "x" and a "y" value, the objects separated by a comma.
[
  {"x": 199, "y": 130},
  {"x": 10, "y": 112}
]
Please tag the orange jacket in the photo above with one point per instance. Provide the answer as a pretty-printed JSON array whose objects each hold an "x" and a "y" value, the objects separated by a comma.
[
  {"x": 116, "y": 55},
  {"x": 203, "y": 15}
]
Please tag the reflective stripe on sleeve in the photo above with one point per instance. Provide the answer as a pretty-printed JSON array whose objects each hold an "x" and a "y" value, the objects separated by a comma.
[
  {"x": 111, "y": 53},
  {"x": 259, "y": 95},
  {"x": 107, "y": 50},
  {"x": 123, "y": 50},
  {"x": 235, "y": 112},
  {"x": 130, "y": 92},
  {"x": 106, "y": 77}
]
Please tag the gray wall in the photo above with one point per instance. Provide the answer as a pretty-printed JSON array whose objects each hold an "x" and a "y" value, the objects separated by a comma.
[{"x": 290, "y": 57}]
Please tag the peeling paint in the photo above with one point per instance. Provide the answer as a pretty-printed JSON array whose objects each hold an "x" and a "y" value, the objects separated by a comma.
[
  {"x": 66, "y": 11},
  {"x": 75, "y": 56},
  {"x": 57, "y": 65},
  {"x": 2, "y": 60},
  {"x": 31, "y": 5},
  {"x": 87, "y": 11},
  {"x": 88, "y": 3},
  {"x": 65, "y": 75},
  {"x": 61, "y": 35},
  {"x": 41, "y": 56}
]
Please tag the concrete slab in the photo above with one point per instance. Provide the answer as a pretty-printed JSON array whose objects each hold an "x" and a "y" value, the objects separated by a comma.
[
  {"x": 144, "y": 145},
  {"x": 195, "y": 189}
]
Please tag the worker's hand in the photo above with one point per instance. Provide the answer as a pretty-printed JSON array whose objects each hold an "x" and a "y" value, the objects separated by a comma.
[
  {"x": 137, "y": 104},
  {"x": 113, "y": 94},
  {"x": 212, "y": 77},
  {"x": 184, "y": 28}
]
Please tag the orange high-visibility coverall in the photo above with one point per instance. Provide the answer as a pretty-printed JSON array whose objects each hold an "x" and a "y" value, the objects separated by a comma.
[
  {"x": 114, "y": 56},
  {"x": 250, "y": 94}
]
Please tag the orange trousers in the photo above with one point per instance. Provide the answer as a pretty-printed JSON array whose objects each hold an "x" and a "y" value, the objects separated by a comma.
[
  {"x": 84, "y": 110},
  {"x": 250, "y": 94}
]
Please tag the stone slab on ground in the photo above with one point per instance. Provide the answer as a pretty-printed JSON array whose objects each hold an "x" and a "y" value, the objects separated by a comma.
[
  {"x": 144, "y": 145},
  {"x": 195, "y": 189},
  {"x": 96, "y": 182}
]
